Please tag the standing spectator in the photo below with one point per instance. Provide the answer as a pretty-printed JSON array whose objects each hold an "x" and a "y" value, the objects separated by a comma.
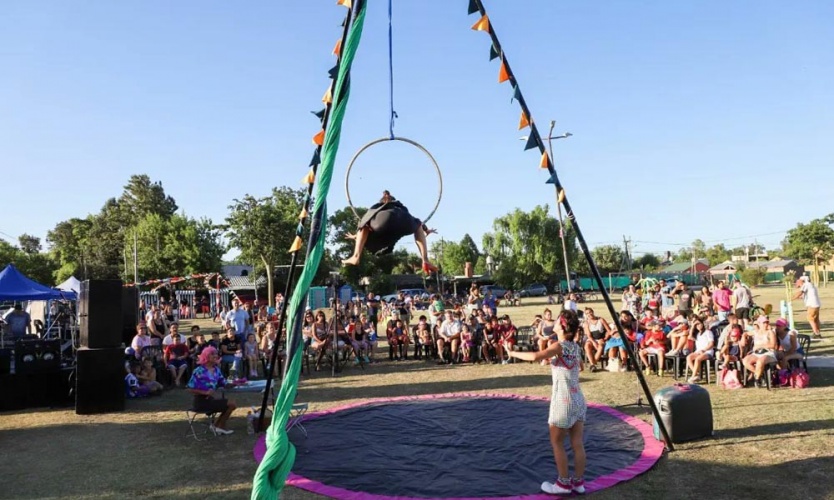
[
  {"x": 721, "y": 300},
  {"x": 630, "y": 300},
  {"x": 473, "y": 302},
  {"x": 372, "y": 302},
  {"x": 489, "y": 302},
  {"x": 705, "y": 303},
  {"x": 436, "y": 310},
  {"x": 252, "y": 353},
  {"x": 238, "y": 320},
  {"x": 743, "y": 300},
  {"x": 667, "y": 300},
  {"x": 684, "y": 296},
  {"x": 156, "y": 328},
  {"x": 808, "y": 292},
  {"x": 19, "y": 321},
  {"x": 150, "y": 314}
]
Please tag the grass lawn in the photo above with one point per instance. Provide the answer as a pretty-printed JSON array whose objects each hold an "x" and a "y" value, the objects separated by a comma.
[{"x": 766, "y": 443}]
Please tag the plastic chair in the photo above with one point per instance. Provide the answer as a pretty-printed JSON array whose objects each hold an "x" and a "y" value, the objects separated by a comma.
[{"x": 804, "y": 345}]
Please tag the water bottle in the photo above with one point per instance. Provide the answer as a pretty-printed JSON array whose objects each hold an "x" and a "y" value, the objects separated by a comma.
[
  {"x": 250, "y": 423},
  {"x": 233, "y": 373}
]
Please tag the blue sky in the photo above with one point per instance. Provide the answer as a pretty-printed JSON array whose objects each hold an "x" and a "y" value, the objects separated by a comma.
[{"x": 705, "y": 119}]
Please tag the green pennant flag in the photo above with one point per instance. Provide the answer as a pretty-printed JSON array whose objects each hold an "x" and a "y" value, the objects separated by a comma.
[
  {"x": 531, "y": 142},
  {"x": 473, "y": 6},
  {"x": 493, "y": 53}
]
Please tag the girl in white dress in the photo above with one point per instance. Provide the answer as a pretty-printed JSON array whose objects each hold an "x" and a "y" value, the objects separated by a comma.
[{"x": 567, "y": 404}]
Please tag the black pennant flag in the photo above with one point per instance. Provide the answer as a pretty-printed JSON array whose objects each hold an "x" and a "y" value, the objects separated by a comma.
[
  {"x": 344, "y": 21},
  {"x": 473, "y": 6},
  {"x": 516, "y": 93},
  {"x": 531, "y": 142},
  {"x": 319, "y": 113},
  {"x": 493, "y": 54},
  {"x": 316, "y": 158},
  {"x": 333, "y": 72}
]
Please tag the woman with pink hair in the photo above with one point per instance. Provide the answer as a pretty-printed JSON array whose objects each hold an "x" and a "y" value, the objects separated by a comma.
[{"x": 205, "y": 380}]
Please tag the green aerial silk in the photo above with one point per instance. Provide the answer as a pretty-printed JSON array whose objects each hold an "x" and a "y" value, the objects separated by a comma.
[{"x": 280, "y": 454}]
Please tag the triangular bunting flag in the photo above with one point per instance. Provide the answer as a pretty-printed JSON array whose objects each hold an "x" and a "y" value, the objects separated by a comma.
[
  {"x": 493, "y": 53},
  {"x": 303, "y": 215},
  {"x": 552, "y": 179},
  {"x": 299, "y": 230},
  {"x": 531, "y": 142},
  {"x": 316, "y": 158},
  {"x": 328, "y": 97},
  {"x": 545, "y": 160},
  {"x": 318, "y": 139},
  {"x": 296, "y": 244},
  {"x": 337, "y": 49},
  {"x": 332, "y": 72},
  {"x": 503, "y": 74},
  {"x": 482, "y": 24},
  {"x": 523, "y": 122},
  {"x": 319, "y": 114},
  {"x": 345, "y": 3},
  {"x": 561, "y": 196},
  {"x": 473, "y": 6},
  {"x": 516, "y": 93},
  {"x": 309, "y": 178},
  {"x": 344, "y": 22}
]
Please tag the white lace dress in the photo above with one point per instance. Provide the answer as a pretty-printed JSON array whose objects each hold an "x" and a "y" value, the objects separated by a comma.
[{"x": 567, "y": 403}]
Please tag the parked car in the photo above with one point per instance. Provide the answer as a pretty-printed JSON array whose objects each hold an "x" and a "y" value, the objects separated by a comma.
[
  {"x": 415, "y": 293},
  {"x": 534, "y": 290},
  {"x": 496, "y": 290}
]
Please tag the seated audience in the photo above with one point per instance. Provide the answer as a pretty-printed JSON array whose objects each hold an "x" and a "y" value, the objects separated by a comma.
[
  {"x": 731, "y": 351},
  {"x": 147, "y": 376},
  {"x": 252, "y": 354},
  {"x": 654, "y": 342},
  {"x": 448, "y": 333},
  {"x": 788, "y": 346},
  {"x": 140, "y": 340},
  {"x": 174, "y": 330},
  {"x": 596, "y": 333},
  {"x": 507, "y": 338},
  {"x": 231, "y": 352},
  {"x": 704, "y": 350},
  {"x": 134, "y": 388},
  {"x": 763, "y": 351},
  {"x": 176, "y": 359}
]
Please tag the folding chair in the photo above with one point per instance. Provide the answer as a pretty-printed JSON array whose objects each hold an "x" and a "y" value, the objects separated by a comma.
[
  {"x": 192, "y": 416},
  {"x": 297, "y": 417}
]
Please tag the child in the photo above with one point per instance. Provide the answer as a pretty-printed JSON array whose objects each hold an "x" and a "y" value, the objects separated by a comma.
[
  {"x": 401, "y": 334},
  {"x": 134, "y": 390},
  {"x": 422, "y": 337},
  {"x": 147, "y": 376},
  {"x": 251, "y": 351},
  {"x": 731, "y": 350},
  {"x": 466, "y": 342},
  {"x": 654, "y": 342},
  {"x": 506, "y": 342},
  {"x": 566, "y": 418}
]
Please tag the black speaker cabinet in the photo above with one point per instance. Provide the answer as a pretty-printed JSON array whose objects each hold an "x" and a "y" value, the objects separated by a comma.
[
  {"x": 100, "y": 380},
  {"x": 37, "y": 356},
  {"x": 130, "y": 313},
  {"x": 100, "y": 313}
]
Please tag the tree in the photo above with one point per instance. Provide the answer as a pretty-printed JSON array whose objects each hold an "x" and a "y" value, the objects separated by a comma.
[
  {"x": 66, "y": 242},
  {"x": 29, "y": 244},
  {"x": 177, "y": 246},
  {"x": 717, "y": 254},
  {"x": 698, "y": 249},
  {"x": 608, "y": 258},
  {"x": 526, "y": 247},
  {"x": 811, "y": 243},
  {"x": 37, "y": 266},
  {"x": 141, "y": 197},
  {"x": 263, "y": 229},
  {"x": 648, "y": 262}
]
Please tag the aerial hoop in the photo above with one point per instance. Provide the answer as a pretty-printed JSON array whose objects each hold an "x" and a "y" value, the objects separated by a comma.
[{"x": 408, "y": 141}]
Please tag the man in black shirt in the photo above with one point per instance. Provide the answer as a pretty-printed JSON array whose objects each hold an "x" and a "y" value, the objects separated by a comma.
[{"x": 230, "y": 351}]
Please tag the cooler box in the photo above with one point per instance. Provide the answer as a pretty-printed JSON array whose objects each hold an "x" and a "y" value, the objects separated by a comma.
[{"x": 685, "y": 410}]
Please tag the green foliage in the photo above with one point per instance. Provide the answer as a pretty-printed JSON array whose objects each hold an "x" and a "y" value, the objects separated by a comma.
[
  {"x": 648, "y": 262},
  {"x": 717, "y": 254},
  {"x": 37, "y": 266},
  {"x": 608, "y": 258},
  {"x": 177, "y": 245},
  {"x": 264, "y": 229},
  {"x": 526, "y": 247},
  {"x": 29, "y": 244},
  {"x": 381, "y": 284},
  {"x": 752, "y": 276},
  {"x": 811, "y": 243}
]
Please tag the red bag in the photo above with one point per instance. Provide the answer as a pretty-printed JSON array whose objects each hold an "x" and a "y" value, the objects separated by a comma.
[{"x": 800, "y": 378}]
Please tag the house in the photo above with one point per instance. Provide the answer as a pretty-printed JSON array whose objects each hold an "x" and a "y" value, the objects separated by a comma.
[
  {"x": 236, "y": 270},
  {"x": 700, "y": 266},
  {"x": 776, "y": 269},
  {"x": 723, "y": 271}
]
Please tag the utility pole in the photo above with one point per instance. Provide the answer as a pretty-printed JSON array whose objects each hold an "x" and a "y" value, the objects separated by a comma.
[{"x": 559, "y": 207}]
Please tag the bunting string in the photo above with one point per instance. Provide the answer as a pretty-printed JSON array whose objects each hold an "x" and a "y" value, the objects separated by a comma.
[{"x": 534, "y": 140}]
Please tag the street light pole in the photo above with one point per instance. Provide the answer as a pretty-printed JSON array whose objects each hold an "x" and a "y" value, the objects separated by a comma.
[{"x": 559, "y": 204}]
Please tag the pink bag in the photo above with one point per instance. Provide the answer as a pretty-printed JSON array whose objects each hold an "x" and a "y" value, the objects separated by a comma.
[
  {"x": 784, "y": 378},
  {"x": 729, "y": 378},
  {"x": 800, "y": 378}
]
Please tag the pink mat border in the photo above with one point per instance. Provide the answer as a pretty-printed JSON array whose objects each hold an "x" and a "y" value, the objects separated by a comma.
[{"x": 652, "y": 451}]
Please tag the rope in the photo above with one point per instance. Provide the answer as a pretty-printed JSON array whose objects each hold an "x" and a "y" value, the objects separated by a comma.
[
  {"x": 393, "y": 114},
  {"x": 273, "y": 470}
]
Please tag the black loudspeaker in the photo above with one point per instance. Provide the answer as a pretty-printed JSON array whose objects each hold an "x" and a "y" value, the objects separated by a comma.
[
  {"x": 37, "y": 356},
  {"x": 130, "y": 313},
  {"x": 99, "y": 380},
  {"x": 100, "y": 313}
]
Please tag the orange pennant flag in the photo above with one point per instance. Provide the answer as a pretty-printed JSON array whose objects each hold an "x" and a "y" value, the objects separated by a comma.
[
  {"x": 303, "y": 215},
  {"x": 296, "y": 244},
  {"x": 337, "y": 49},
  {"x": 328, "y": 97},
  {"x": 318, "y": 139},
  {"x": 309, "y": 178},
  {"x": 545, "y": 160},
  {"x": 345, "y": 3},
  {"x": 482, "y": 24},
  {"x": 523, "y": 122},
  {"x": 503, "y": 75}
]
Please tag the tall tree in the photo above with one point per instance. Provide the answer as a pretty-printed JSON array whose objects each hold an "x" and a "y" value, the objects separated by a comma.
[
  {"x": 177, "y": 246},
  {"x": 66, "y": 245},
  {"x": 648, "y": 262},
  {"x": 811, "y": 243},
  {"x": 29, "y": 244},
  {"x": 608, "y": 258},
  {"x": 263, "y": 229},
  {"x": 141, "y": 197},
  {"x": 525, "y": 247},
  {"x": 717, "y": 254}
]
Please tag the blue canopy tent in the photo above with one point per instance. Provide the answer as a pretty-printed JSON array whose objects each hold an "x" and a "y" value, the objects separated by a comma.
[{"x": 15, "y": 286}]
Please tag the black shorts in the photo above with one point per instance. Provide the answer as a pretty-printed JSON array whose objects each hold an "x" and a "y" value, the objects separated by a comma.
[
  {"x": 206, "y": 404},
  {"x": 743, "y": 313}
]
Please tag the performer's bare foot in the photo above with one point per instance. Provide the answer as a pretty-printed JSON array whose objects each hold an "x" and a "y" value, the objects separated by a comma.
[{"x": 352, "y": 261}]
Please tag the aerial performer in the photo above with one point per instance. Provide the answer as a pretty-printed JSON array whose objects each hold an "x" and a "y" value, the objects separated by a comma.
[{"x": 383, "y": 225}]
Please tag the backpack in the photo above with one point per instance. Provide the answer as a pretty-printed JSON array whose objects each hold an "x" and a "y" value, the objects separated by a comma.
[
  {"x": 728, "y": 379},
  {"x": 799, "y": 378},
  {"x": 783, "y": 378}
]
